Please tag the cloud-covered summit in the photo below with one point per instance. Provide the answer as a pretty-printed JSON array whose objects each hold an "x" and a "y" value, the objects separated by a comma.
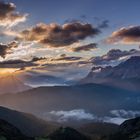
[{"x": 114, "y": 56}]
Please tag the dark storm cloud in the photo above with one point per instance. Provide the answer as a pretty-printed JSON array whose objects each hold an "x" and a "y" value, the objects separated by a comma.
[
  {"x": 7, "y": 48},
  {"x": 58, "y": 36},
  {"x": 85, "y": 47},
  {"x": 112, "y": 55},
  {"x": 126, "y": 35},
  {"x": 8, "y": 14}
]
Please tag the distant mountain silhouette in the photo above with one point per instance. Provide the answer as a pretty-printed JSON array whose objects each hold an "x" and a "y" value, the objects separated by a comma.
[
  {"x": 125, "y": 75},
  {"x": 11, "y": 84}
]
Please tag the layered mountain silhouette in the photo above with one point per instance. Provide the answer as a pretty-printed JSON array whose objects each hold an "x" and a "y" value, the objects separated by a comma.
[
  {"x": 11, "y": 84},
  {"x": 96, "y": 98},
  {"x": 28, "y": 124},
  {"x": 9, "y": 130},
  {"x": 125, "y": 75}
]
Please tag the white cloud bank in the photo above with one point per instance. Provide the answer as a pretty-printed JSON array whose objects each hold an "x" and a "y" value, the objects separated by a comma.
[
  {"x": 115, "y": 117},
  {"x": 77, "y": 114}
]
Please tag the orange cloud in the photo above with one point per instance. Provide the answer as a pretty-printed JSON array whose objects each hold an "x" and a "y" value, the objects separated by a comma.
[
  {"x": 126, "y": 35},
  {"x": 56, "y": 35}
]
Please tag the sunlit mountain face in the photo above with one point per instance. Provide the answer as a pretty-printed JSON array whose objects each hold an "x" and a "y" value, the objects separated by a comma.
[{"x": 71, "y": 63}]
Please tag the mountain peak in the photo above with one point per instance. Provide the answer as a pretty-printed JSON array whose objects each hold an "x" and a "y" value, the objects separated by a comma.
[{"x": 132, "y": 61}]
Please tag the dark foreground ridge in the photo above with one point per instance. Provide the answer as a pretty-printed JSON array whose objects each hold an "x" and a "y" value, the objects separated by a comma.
[
  {"x": 9, "y": 132},
  {"x": 129, "y": 130}
]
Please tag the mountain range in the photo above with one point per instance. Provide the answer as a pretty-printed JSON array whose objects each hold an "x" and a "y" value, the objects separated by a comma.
[
  {"x": 94, "y": 98},
  {"x": 128, "y": 130},
  {"x": 125, "y": 75}
]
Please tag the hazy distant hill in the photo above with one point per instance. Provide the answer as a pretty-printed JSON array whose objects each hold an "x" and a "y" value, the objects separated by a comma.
[
  {"x": 11, "y": 84},
  {"x": 96, "y": 98},
  {"x": 125, "y": 75},
  {"x": 38, "y": 79}
]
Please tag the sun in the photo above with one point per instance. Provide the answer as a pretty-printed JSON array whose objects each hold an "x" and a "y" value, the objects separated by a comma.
[{"x": 7, "y": 71}]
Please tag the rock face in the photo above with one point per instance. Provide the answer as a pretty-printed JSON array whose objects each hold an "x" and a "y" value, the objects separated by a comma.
[
  {"x": 126, "y": 74},
  {"x": 9, "y": 132},
  {"x": 65, "y": 134}
]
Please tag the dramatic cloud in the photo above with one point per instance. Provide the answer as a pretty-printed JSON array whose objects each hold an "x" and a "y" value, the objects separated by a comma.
[
  {"x": 85, "y": 47},
  {"x": 8, "y": 15},
  {"x": 56, "y": 35},
  {"x": 77, "y": 114},
  {"x": 113, "y": 56},
  {"x": 7, "y": 48},
  {"x": 126, "y": 35}
]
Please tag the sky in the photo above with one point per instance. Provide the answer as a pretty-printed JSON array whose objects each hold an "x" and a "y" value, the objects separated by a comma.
[{"x": 66, "y": 31}]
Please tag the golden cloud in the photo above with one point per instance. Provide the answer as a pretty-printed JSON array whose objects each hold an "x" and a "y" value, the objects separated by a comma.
[
  {"x": 126, "y": 35},
  {"x": 55, "y": 35}
]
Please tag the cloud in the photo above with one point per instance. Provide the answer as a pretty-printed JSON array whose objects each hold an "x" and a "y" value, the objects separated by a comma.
[
  {"x": 125, "y": 114},
  {"x": 113, "y": 56},
  {"x": 7, "y": 48},
  {"x": 119, "y": 116},
  {"x": 103, "y": 24},
  {"x": 126, "y": 35},
  {"x": 64, "y": 57},
  {"x": 55, "y": 35},
  {"x": 85, "y": 47},
  {"x": 9, "y": 16},
  {"x": 17, "y": 64},
  {"x": 113, "y": 120},
  {"x": 77, "y": 114},
  {"x": 114, "y": 117}
]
